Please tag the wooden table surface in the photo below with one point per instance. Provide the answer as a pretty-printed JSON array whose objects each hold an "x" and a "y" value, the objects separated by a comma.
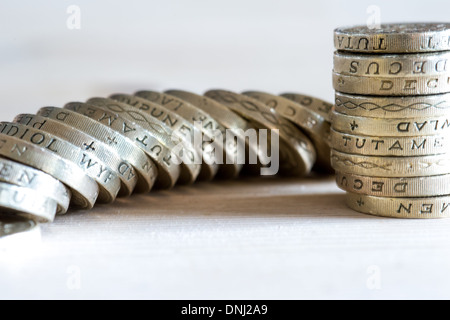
[{"x": 245, "y": 239}]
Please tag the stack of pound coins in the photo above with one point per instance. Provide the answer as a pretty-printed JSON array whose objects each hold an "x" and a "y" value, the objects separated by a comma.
[
  {"x": 391, "y": 124},
  {"x": 95, "y": 151}
]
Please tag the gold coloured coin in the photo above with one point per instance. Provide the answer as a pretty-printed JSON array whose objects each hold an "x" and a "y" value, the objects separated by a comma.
[
  {"x": 211, "y": 147},
  {"x": 297, "y": 154},
  {"x": 394, "y": 38},
  {"x": 321, "y": 107},
  {"x": 152, "y": 135},
  {"x": 234, "y": 155},
  {"x": 403, "y": 187},
  {"x": 390, "y": 166},
  {"x": 390, "y": 146},
  {"x": 311, "y": 123},
  {"x": 107, "y": 179},
  {"x": 27, "y": 203},
  {"x": 390, "y": 65},
  {"x": 404, "y": 208},
  {"x": 398, "y": 127},
  {"x": 102, "y": 131},
  {"x": 125, "y": 170},
  {"x": 393, "y": 107},
  {"x": 182, "y": 134},
  {"x": 12, "y": 172},
  {"x": 389, "y": 86},
  {"x": 83, "y": 188}
]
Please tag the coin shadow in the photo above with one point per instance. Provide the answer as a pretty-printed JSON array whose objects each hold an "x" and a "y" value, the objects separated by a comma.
[{"x": 244, "y": 198}]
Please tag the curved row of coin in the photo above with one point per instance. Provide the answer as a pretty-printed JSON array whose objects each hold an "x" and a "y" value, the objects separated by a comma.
[
  {"x": 96, "y": 151},
  {"x": 391, "y": 124}
]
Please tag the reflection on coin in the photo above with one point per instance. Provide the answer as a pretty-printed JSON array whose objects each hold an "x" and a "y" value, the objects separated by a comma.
[
  {"x": 405, "y": 208},
  {"x": 393, "y": 107},
  {"x": 10, "y": 225},
  {"x": 394, "y": 38}
]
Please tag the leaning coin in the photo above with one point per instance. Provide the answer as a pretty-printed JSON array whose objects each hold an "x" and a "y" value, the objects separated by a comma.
[
  {"x": 393, "y": 107},
  {"x": 86, "y": 158},
  {"x": 389, "y": 65},
  {"x": 182, "y": 134},
  {"x": 25, "y": 176},
  {"x": 213, "y": 150},
  {"x": 234, "y": 156},
  {"x": 390, "y": 166},
  {"x": 394, "y": 38},
  {"x": 391, "y": 127},
  {"x": 311, "y": 123},
  {"x": 296, "y": 152},
  {"x": 125, "y": 170},
  {"x": 389, "y": 86},
  {"x": 152, "y": 135},
  {"x": 404, "y": 208},
  {"x": 27, "y": 203},
  {"x": 322, "y": 108},
  {"x": 83, "y": 188},
  {"x": 101, "y": 130},
  {"x": 390, "y": 146},
  {"x": 408, "y": 187}
]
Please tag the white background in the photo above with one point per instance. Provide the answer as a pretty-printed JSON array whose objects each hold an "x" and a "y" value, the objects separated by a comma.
[{"x": 274, "y": 46}]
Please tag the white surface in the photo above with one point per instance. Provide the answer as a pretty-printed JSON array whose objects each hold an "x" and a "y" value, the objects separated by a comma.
[{"x": 315, "y": 249}]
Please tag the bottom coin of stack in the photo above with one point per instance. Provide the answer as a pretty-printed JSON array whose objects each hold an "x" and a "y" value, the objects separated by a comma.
[
  {"x": 96, "y": 151},
  {"x": 392, "y": 155}
]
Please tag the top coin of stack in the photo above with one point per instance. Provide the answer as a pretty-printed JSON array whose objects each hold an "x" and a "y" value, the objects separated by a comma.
[{"x": 390, "y": 132}]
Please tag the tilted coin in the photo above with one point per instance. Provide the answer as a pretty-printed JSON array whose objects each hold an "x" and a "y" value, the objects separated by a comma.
[
  {"x": 400, "y": 65},
  {"x": 234, "y": 157},
  {"x": 297, "y": 154},
  {"x": 390, "y": 86},
  {"x": 391, "y": 127},
  {"x": 181, "y": 129},
  {"x": 409, "y": 107},
  {"x": 394, "y": 38},
  {"x": 12, "y": 172},
  {"x": 125, "y": 170},
  {"x": 311, "y": 123},
  {"x": 99, "y": 170},
  {"x": 405, "y": 208},
  {"x": 155, "y": 132},
  {"x": 103, "y": 129},
  {"x": 83, "y": 188},
  {"x": 390, "y": 166},
  {"x": 390, "y": 146},
  {"x": 212, "y": 148},
  {"x": 11, "y": 225},
  {"x": 403, "y": 187},
  {"x": 27, "y": 203},
  {"x": 321, "y": 107}
]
